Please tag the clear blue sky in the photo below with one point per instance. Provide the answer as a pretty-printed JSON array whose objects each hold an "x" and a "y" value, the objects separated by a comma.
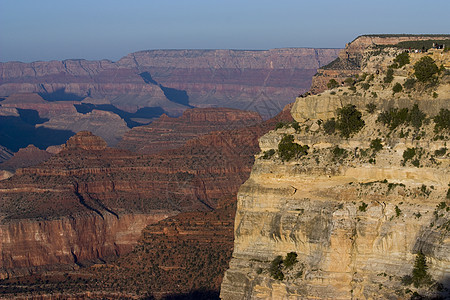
[{"x": 33, "y": 30}]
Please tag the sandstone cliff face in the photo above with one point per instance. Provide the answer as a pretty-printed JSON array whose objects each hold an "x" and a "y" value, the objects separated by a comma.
[
  {"x": 355, "y": 216},
  {"x": 317, "y": 211},
  {"x": 66, "y": 243}
]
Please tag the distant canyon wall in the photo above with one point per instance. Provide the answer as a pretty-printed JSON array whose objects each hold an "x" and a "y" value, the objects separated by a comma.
[{"x": 222, "y": 78}]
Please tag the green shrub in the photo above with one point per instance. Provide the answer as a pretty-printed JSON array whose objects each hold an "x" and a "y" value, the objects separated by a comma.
[
  {"x": 290, "y": 260},
  {"x": 409, "y": 83},
  {"x": 408, "y": 154},
  {"x": 389, "y": 76},
  {"x": 374, "y": 94},
  {"x": 329, "y": 126},
  {"x": 365, "y": 86},
  {"x": 370, "y": 78},
  {"x": 425, "y": 69},
  {"x": 349, "y": 81},
  {"x": 339, "y": 152},
  {"x": 287, "y": 149},
  {"x": 398, "y": 211},
  {"x": 363, "y": 207},
  {"x": 394, "y": 117},
  {"x": 268, "y": 154},
  {"x": 402, "y": 59},
  {"x": 349, "y": 120},
  {"x": 275, "y": 268},
  {"x": 416, "y": 116},
  {"x": 435, "y": 95},
  {"x": 296, "y": 126},
  {"x": 376, "y": 145},
  {"x": 279, "y": 125},
  {"x": 420, "y": 274},
  {"x": 397, "y": 88},
  {"x": 371, "y": 107},
  {"x": 332, "y": 84},
  {"x": 440, "y": 152},
  {"x": 442, "y": 120}
]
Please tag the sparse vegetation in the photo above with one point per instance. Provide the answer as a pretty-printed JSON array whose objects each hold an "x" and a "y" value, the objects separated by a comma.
[{"x": 395, "y": 117}]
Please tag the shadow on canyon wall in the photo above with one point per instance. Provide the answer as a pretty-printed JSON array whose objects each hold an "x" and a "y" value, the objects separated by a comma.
[
  {"x": 19, "y": 132},
  {"x": 144, "y": 113},
  {"x": 60, "y": 95}
]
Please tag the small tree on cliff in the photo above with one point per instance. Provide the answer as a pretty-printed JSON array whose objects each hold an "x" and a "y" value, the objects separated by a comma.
[
  {"x": 420, "y": 275},
  {"x": 349, "y": 120}
]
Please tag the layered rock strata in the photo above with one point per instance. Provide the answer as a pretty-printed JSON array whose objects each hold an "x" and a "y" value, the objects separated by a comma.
[
  {"x": 25, "y": 157},
  {"x": 221, "y": 162},
  {"x": 357, "y": 212},
  {"x": 174, "y": 79},
  {"x": 171, "y": 133}
]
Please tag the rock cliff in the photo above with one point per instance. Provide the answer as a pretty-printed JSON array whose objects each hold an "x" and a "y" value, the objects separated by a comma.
[
  {"x": 25, "y": 157},
  {"x": 328, "y": 213}
]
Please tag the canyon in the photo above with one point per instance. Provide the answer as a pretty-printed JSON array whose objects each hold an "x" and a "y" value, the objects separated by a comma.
[
  {"x": 108, "y": 98},
  {"x": 101, "y": 210},
  {"x": 330, "y": 214},
  {"x": 153, "y": 218}
]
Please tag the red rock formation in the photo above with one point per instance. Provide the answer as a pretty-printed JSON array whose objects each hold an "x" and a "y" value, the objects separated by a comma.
[
  {"x": 26, "y": 157},
  {"x": 171, "y": 133},
  {"x": 85, "y": 140},
  {"x": 82, "y": 190}
]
